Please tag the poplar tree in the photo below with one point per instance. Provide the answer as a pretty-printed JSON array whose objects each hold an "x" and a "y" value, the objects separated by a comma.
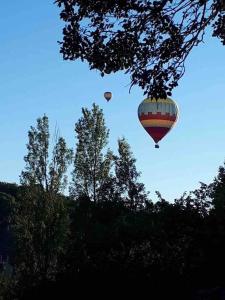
[
  {"x": 50, "y": 176},
  {"x": 91, "y": 166},
  {"x": 131, "y": 191},
  {"x": 40, "y": 218}
]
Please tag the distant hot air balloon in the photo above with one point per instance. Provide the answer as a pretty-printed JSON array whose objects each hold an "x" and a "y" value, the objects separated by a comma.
[
  {"x": 108, "y": 95},
  {"x": 158, "y": 117}
]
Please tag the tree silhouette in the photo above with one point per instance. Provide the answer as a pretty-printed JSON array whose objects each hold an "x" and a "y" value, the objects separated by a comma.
[
  {"x": 120, "y": 241},
  {"x": 150, "y": 40}
]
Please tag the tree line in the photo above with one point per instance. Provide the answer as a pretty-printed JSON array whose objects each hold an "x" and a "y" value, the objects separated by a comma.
[{"x": 105, "y": 233}]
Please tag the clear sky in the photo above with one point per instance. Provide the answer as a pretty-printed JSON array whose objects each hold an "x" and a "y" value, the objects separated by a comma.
[{"x": 35, "y": 80}]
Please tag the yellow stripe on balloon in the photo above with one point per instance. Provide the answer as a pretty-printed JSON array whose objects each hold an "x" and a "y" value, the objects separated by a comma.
[
  {"x": 157, "y": 123},
  {"x": 167, "y": 100}
]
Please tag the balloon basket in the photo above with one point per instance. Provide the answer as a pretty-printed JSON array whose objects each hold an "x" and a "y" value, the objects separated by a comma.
[{"x": 157, "y": 146}]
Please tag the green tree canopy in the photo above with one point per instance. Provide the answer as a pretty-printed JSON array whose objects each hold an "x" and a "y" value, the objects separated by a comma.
[
  {"x": 131, "y": 191},
  {"x": 40, "y": 218},
  {"x": 91, "y": 167},
  {"x": 48, "y": 175}
]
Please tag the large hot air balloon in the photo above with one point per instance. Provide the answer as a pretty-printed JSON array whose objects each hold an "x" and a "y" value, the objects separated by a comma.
[
  {"x": 108, "y": 95},
  {"x": 157, "y": 117}
]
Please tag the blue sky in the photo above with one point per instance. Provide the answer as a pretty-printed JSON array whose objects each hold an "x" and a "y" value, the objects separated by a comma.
[{"x": 35, "y": 80}]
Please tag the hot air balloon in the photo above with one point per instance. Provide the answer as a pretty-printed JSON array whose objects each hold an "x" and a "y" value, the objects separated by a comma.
[
  {"x": 158, "y": 117},
  {"x": 108, "y": 95}
]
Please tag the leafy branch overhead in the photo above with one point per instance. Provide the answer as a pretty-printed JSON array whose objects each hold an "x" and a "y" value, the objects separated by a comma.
[{"x": 150, "y": 40}]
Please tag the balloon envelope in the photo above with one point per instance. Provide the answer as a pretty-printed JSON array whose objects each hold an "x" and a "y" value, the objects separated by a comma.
[
  {"x": 158, "y": 116},
  {"x": 108, "y": 95}
]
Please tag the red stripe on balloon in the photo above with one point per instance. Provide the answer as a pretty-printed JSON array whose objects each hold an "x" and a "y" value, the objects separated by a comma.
[{"x": 157, "y": 133}]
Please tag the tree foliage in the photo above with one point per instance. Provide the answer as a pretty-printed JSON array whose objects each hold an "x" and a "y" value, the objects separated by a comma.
[
  {"x": 217, "y": 191},
  {"x": 40, "y": 225},
  {"x": 150, "y": 40},
  {"x": 120, "y": 241},
  {"x": 49, "y": 176},
  {"x": 91, "y": 167},
  {"x": 39, "y": 216},
  {"x": 130, "y": 190},
  {"x": 6, "y": 287},
  {"x": 9, "y": 188}
]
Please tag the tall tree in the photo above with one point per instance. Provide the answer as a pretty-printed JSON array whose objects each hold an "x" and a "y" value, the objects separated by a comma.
[
  {"x": 40, "y": 218},
  {"x": 49, "y": 176},
  {"x": 91, "y": 166},
  {"x": 218, "y": 191},
  {"x": 150, "y": 40},
  {"x": 132, "y": 191}
]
